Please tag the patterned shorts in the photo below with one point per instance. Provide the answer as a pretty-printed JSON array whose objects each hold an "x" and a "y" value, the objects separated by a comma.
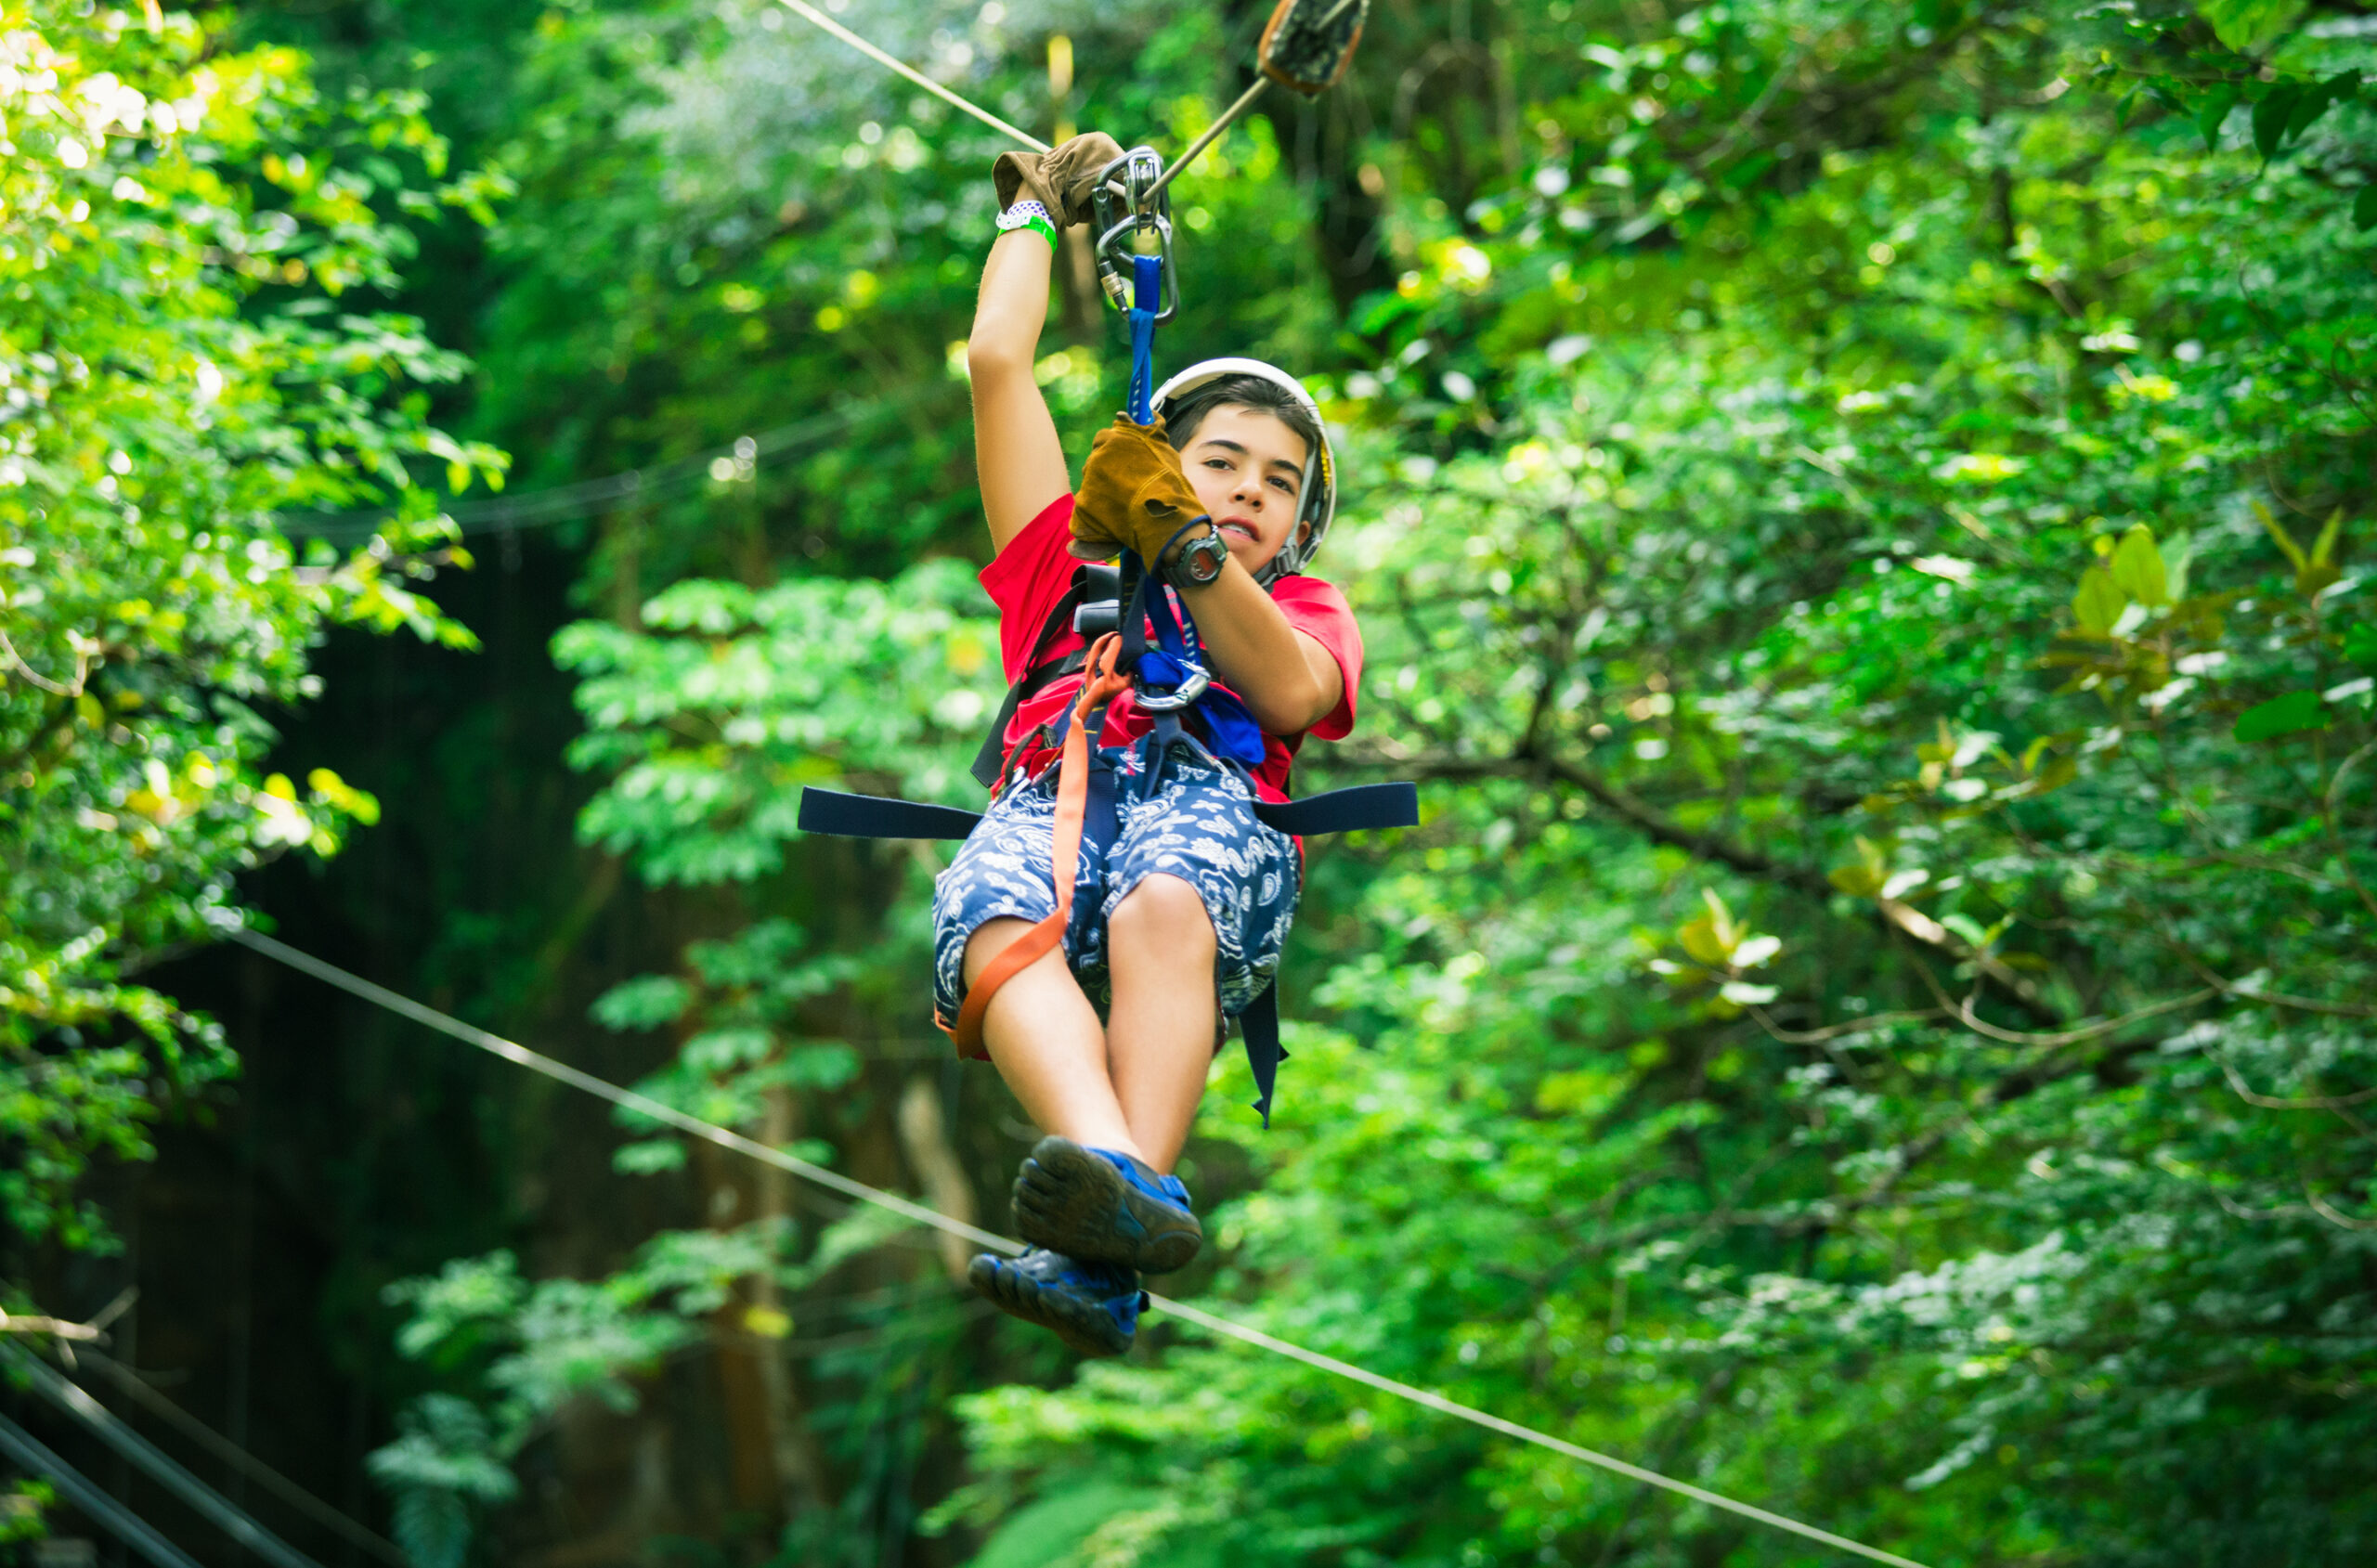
[{"x": 1199, "y": 826}]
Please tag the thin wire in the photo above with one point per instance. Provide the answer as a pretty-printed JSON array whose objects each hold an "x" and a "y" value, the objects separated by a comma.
[
  {"x": 580, "y": 498},
  {"x": 1245, "y": 101},
  {"x": 230, "y": 1452},
  {"x": 94, "y": 1505},
  {"x": 643, "y": 1105},
  {"x": 521, "y": 1056},
  {"x": 808, "y": 12},
  {"x": 112, "y": 1429}
]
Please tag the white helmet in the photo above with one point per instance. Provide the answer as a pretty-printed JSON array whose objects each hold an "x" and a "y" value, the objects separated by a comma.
[{"x": 1318, "y": 506}]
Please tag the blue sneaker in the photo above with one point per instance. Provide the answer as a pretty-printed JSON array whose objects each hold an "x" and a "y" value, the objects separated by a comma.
[
  {"x": 1103, "y": 1207},
  {"x": 1094, "y": 1307}
]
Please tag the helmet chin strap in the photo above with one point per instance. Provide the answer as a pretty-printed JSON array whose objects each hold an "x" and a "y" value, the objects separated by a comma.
[{"x": 1288, "y": 560}]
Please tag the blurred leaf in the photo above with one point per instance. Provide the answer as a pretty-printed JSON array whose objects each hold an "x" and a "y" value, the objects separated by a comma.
[
  {"x": 2291, "y": 714},
  {"x": 2248, "y": 26},
  {"x": 2271, "y": 115},
  {"x": 2137, "y": 569},
  {"x": 2099, "y": 602}
]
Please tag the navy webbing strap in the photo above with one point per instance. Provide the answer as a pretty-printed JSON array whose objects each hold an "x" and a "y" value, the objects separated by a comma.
[
  {"x": 1345, "y": 810},
  {"x": 1361, "y": 807},
  {"x": 1259, "y": 1026},
  {"x": 875, "y": 816}
]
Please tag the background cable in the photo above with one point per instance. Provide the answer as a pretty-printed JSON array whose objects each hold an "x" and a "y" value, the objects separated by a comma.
[
  {"x": 584, "y": 498},
  {"x": 230, "y": 1452},
  {"x": 104, "y": 1424},
  {"x": 86, "y": 1497},
  {"x": 330, "y": 974}
]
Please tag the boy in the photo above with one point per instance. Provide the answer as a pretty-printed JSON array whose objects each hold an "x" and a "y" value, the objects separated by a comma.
[{"x": 1225, "y": 496}]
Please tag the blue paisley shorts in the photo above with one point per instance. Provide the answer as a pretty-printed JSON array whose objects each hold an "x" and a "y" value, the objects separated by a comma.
[{"x": 1198, "y": 824}]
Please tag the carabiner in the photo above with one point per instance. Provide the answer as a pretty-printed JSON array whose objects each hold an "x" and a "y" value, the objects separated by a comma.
[
  {"x": 1125, "y": 201},
  {"x": 1180, "y": 697}
]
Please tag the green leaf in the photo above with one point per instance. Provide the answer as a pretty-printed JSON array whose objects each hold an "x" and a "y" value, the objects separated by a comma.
[
  {"x": 2099, "y": 602},
  {"x": 2301, "y": 562},
  {"x": 2270, "y": 117},
  {"x": 2291, "y": 714},
  {"x": 2138, "y": 569},
  {"x": 2364, "y": 207},
  {"x": 2309, "y": 107},
  {"x": 2213, "y": 113},
  {"x": 2247, "y": 25},
  {"x": 2360, "y": 646},
  {"x": 2323, "y": 548}
]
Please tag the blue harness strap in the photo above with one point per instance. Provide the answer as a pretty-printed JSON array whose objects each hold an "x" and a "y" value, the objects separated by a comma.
[{"x": 1146, "y": 298}]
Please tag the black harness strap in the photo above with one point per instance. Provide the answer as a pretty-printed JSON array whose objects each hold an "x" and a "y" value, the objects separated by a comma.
[
  {"x": 1259, "y": 1027},
  {"x": 1343, "y": 811},
  {"x": 879, "y": 816},
  {"x": 1355, "y": 809}
]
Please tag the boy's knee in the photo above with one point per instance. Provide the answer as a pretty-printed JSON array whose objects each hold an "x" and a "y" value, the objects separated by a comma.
[{"x": 1161, "y": 909}]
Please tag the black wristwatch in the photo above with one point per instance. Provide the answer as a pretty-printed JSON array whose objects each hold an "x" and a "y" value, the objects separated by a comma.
[{"x": 1199, "y": 560}]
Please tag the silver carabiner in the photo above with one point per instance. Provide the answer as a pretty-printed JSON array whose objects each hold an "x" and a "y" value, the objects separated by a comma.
[
  {"x": 1180, "y": 697},
  {"x": 1127, "y": 200}
]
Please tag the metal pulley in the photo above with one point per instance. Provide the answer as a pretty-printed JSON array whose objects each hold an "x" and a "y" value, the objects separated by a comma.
[{"x": 1306, "y": 46}]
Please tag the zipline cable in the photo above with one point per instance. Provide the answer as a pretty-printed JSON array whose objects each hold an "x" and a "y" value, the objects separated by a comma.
[
  {"x": 810, "y": 13},
  {"x": 532, "y": 509},
  {"x": 520, "y": 1055}
]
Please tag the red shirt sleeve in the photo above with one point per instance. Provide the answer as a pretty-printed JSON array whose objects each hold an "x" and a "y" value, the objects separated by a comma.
[
  {"x": 1317, "y": 609},
  {"x": 1027, "y": 578}
]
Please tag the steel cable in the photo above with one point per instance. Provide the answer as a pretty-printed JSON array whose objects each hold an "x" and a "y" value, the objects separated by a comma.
[{"x": 628, "y": 1099}]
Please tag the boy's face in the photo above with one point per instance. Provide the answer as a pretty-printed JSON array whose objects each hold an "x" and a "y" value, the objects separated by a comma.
[{"x": 1247, "y": 468}]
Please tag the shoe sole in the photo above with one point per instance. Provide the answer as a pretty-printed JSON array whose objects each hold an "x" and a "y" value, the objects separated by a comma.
[
  {"x": 1082, "y": 1326},
  {"x": 1075, "y": 1202}
]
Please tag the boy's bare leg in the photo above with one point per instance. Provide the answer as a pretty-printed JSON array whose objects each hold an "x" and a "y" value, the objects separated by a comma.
[
  {"x": 1159, "y": 1032},
  {"x": 1044, "y": 1037}
]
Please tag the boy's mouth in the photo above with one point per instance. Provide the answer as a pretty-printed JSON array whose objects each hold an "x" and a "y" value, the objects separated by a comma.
[{"x": 1239, "y": 526}]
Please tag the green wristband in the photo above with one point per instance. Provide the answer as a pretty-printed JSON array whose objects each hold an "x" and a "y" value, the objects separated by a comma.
[
  {"x": 1041, "y": 227},
  {"x": 1030, "y": 215}
]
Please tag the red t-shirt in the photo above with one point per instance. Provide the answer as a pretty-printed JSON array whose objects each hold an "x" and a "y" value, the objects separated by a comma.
[{"x": 1033, "y": 572}]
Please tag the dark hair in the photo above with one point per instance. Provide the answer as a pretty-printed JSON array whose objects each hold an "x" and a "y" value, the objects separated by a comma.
[{"x": 1188, "y": 412}]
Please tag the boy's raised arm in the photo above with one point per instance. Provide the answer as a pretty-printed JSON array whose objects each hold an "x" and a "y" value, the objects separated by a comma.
[
  {"x": 1015, "y": 451},
  {"x": 1017, "y": 455}
]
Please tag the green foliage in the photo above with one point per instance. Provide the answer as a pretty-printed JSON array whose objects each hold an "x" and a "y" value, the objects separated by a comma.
[
  {"x": 185, "y": 348},
  {"x": 443, "y": 1461},
  {"x": 22, "y": 1507},
  {"x": 527, "y": 1351},
  {"x": 1859, "y": 512}
]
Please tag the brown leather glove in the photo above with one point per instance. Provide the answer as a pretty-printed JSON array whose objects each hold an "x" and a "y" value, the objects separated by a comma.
[
  {"x": 1134, "y": 494},
  {"x": 1060, "y": 179}
]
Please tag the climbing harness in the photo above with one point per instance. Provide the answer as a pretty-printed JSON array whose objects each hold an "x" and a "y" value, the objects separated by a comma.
[
  {"x": 1166, "y": 678},
  {"x": 834, "y": 1181}
]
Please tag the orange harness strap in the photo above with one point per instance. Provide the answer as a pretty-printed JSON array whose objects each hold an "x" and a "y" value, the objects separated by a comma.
[{"x": 1100, "y": 685}]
